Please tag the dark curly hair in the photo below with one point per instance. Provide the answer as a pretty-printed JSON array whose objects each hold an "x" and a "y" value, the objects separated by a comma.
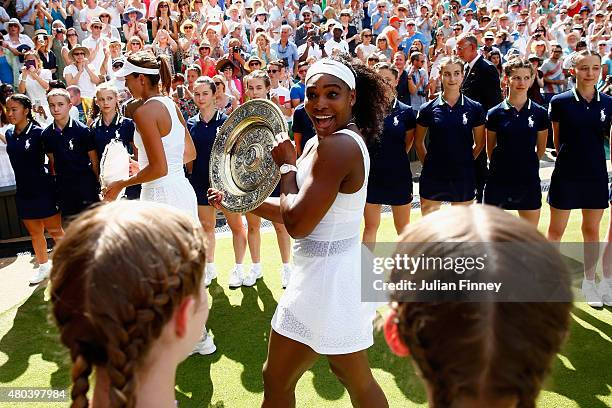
[{"x": 373, "y": 99}]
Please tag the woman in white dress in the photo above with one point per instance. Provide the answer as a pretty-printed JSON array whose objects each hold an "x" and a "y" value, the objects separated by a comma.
[
  {"x": 321, "y": 204},
  {"x": 164, "y": 144}
]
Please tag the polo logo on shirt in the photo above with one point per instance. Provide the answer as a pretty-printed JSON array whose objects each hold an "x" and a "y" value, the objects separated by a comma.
[
  {"x": 603, "y": 115},
  {"x": 530, "y": 121},
  {"x": 27, "y": 144},
  {"x": 71, "y": 144},
  {"x": 465, "y": 119},
  {"x": 395, "y": 121}
]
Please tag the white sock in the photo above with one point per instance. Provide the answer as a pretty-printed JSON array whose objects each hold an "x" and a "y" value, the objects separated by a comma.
[
  {"x": 238, "y": 267},
  {"x": 210, "y": 267},
  {"x": 286, "y": 266},
  {"x": 256, "y": 266}
]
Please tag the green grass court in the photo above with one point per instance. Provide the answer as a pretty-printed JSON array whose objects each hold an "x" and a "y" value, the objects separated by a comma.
[{"x": 30, "y": 354}]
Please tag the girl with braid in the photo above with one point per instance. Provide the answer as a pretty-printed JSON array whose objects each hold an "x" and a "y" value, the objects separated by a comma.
[
  {"x": 484, "y": 353},
  {"x": 128, "y": 301}
]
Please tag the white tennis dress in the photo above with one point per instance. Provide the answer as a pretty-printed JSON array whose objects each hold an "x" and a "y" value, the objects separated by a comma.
[
  {"x": 173, "y": 189},
  {"x": 322, "y": 305}
]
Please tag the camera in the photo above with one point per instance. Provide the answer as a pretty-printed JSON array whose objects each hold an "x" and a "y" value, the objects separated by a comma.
[
  {"x": 236, "y": 49},
  {"x": 29, "y": 63},
  {"x": 453, "y": 7},
  {"x": 180, "y": 91},
  {"x": 316, "y": 39}
]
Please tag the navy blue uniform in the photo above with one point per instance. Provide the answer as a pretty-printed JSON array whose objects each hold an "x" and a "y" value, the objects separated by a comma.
[
  {"x": 390, "y": 179},
  {"x": 514, "y": 180},
  {"x": 203, "y": 135},
  {"x": 448, "y": 171},
  {"x": 77, "y": 184},
  {"x": 123, "y": 129},
  {"x": 35, "y": 196},
  {"x": 302, "y": 124},
  {"x": 580, "y": 177}
]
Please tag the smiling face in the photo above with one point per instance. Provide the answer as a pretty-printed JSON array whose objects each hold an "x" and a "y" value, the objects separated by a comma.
[
  {"x": 328, "y": 103},
  {"x": 520, "y": 80},
  {"x": 587, "y": 70}
]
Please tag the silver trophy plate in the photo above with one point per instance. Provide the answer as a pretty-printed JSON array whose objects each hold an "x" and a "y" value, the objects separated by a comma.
[{"x": 241, "y": 164}]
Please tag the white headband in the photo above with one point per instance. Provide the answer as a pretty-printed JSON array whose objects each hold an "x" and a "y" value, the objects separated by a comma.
[
  {"x": 129, "y": 68},
  {"x": 334, "y": 68}
]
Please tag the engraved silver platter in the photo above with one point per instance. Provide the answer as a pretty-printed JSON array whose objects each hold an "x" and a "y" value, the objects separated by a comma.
[{"x": 241, "y": 164}]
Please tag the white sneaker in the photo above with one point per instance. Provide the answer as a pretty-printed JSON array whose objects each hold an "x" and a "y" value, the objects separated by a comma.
[
  {"x": 285, "y": 276},
  {"x": 589, "y": 290},
  {"x": 257, "y": 271},
  {"x": 205, "y": 346},
  {"x": 42, "y": 274},
  {"x": 209, "y": 275},
  {"x": 605, "y": 291},
  {"x": 250, "y": 279},
  {"x": 235, "y": 278}
]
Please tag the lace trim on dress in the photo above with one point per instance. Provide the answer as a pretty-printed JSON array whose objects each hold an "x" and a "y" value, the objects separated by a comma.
[{"x": 319, "y": 249}]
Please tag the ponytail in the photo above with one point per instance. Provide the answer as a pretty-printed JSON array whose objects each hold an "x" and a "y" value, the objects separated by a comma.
[{"x": 165, "y": 74}]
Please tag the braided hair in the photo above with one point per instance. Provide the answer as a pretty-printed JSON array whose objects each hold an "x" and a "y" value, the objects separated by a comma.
[
  {"x": 487, "y": 349},
  {"x": 118, "y": 276}
]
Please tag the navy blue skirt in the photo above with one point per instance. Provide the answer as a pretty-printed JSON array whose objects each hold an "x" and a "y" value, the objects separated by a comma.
[
  {"x": 513, "y": 197},
  {"x": 578, "y": 194},
  {"x": 36, "y": 207},
  {"x": 450, "y": 190}
]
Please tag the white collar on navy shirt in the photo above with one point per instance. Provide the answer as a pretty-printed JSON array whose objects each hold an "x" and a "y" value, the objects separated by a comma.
[
  {"x": 441, "y": 99},
  {"x": 578, "y": 99},
  {"x": 508, "y": 106},
  {"x": 69, "y": 124}
]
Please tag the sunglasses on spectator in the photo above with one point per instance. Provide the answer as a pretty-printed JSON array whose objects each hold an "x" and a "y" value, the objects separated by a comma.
[
  {"x": 76, "y": 54},
  {"x": 188, "y": 27},
  {"x": 254, "y": 63},
  {"x": 367, "y": 35},
  {"x": 118, "y": 65},
  {"x": 410, "y": 24},
  {"x": 457, "y": 29},
  {"x": 302, "y": 71},
  {"x": 219, "y": 83},
  {"x": 163, "y": 6},
  {"x": 135, "y": 43},
  {"x": 96, "y": 27},
  {"x": 71, "y": 35},
  {"x": 272, "y": 71}
]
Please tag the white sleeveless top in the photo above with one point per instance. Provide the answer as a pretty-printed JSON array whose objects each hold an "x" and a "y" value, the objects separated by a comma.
[
  {"x": 173, "y": 189},
  {"x": 174, "y": 143},
  {"x": 322, "y": 305}
]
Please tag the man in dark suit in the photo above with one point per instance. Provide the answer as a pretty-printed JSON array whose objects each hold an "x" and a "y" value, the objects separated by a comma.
[{"x": 481, "y": 83}]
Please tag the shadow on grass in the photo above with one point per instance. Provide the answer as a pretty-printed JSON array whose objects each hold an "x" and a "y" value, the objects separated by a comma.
[
  {"x": 589, "y": 354},
  {"x": 33, "y": 332},
  {"x": 241, "y": 334}
]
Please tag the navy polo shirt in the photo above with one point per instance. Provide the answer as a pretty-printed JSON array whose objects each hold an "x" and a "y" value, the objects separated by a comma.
[
  {"x": 302, "y": 124},
  {"x": 451, "y": 139},
  {"x": 389, "y": 154},
  {"x": 26, "y": 152},
  {"x": 70, "y": 147},
  {"x": 203, "y": 135},
  {"x": 582, "y": 126},
  {"x": 121, "y": 128},
  {"x": 514, "y": 158}
]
